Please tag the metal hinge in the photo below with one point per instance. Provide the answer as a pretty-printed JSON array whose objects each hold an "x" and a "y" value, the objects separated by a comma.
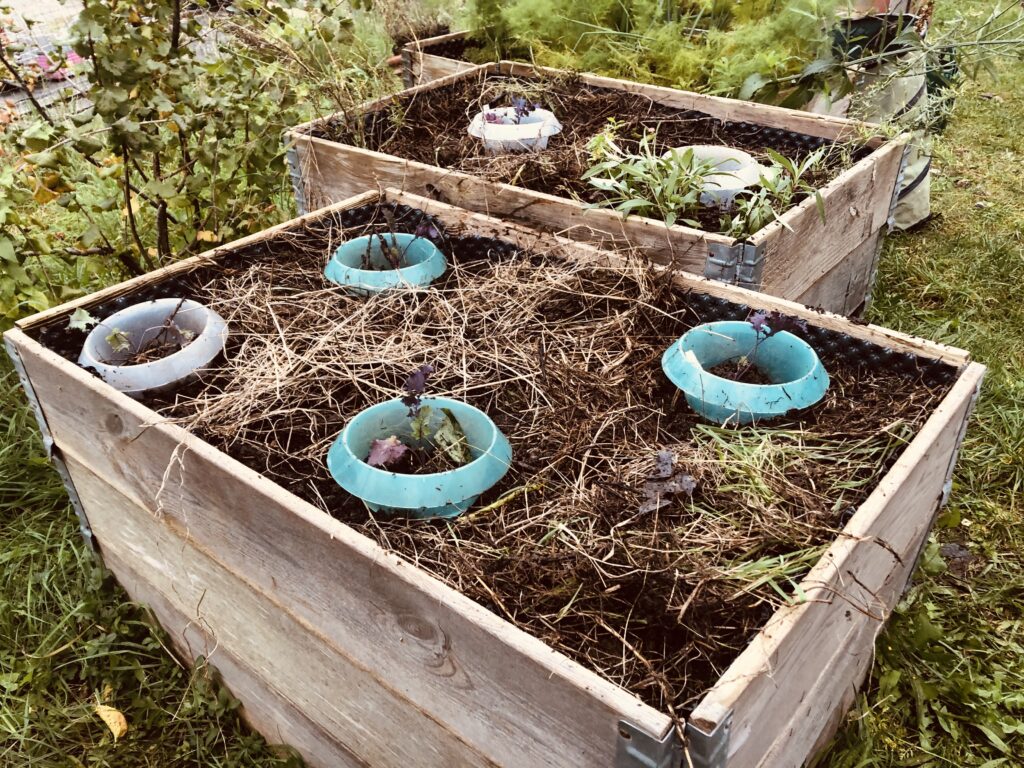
[
  {"x": 890, "y": 222},
  {"x": 709, "y": 749},
  {"x": 738, "y": 264},
  {"x": 947, "y": 487},
  {"x": 52, "y": 451},
  {"x": 298, "y": 186},
  {"x": 638, "y": 749}
]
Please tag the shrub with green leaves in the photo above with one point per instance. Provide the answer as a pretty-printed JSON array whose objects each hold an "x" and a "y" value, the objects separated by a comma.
[{"x": 176, "y": 141}]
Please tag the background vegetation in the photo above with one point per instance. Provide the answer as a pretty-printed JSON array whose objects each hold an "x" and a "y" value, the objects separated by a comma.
[{"x": 91, "y": 197}]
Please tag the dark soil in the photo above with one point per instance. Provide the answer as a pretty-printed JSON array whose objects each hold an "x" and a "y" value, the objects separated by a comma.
[
  {"x": 744, "y": 373},
  {"x": 687, "y": 624},
  {"x": 155, "y": 350},
  {"x": 431, "y": 128}
]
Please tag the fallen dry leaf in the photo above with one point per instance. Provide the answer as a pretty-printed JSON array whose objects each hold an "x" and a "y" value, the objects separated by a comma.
[{"x": 114, "y": 719}]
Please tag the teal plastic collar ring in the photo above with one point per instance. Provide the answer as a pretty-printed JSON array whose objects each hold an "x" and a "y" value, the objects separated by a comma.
[
  {"x": 421, "y": 263},
  {"x": 438, "y": 494},
  {"x": 798, "y": 378}
]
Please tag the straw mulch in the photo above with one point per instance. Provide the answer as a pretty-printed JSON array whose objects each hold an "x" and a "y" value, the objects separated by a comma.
[{"x": 565, "y": 358}]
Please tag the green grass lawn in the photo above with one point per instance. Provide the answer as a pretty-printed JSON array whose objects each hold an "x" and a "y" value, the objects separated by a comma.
[{"x": 948, "y": 685}]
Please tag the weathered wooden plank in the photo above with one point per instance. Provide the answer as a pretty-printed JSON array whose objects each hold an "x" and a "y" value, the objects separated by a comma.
[
  {"x": 802, "y": 247},
  {"x": 855, "y": 584},
  {"x": 438, "y": 648},
  {"x": 846, "y": 285},
  {"x": 265, "y": 711},
  {"x": 355, "y": 706}
]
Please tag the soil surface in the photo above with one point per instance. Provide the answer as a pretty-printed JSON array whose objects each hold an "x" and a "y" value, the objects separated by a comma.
[
  {"x": 744, "y": 373},
  {"x": 431, "y": 128},
  {"x": 566, "y": 360}
]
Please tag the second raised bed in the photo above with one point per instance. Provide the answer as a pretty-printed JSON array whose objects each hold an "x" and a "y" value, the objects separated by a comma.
[{"x": 821, "y": 252}]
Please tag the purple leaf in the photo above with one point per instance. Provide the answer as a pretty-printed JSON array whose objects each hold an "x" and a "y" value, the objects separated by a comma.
[
  {"x": 493, "y": 118},
  {"x": 415, "y": 386},
  {"x": 770, "y": 323},
  {"x": 663, "y": 464},
  {"x": 758, "y": 320},
  {"x": 427, "y": 230},
  {"x": 665, "y": 483},
  {"x": 386, "y": 452}
]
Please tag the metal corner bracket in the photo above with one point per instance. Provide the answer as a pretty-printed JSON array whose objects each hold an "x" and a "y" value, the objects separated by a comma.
[
  {"x": 295, "y": 173},
  {"x": 709, "y": 749},
  {"x": 638, "y": 749},
  {"x": 739, "y": 264},
  {"x": 52, "y": 451}
]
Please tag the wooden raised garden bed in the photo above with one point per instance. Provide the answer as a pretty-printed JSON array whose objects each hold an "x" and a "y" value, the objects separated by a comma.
[
  {"x": 416, "y": 141},
  {"x": 435, "y": 57},
  {"x": 557, "y": 623}
]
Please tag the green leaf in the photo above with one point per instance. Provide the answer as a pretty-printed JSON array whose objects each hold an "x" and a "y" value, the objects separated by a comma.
[
  {"x": 451, "y": 439},
  {"x": 421, "y": 423},
  {"x": 81, "y": 320},
  {"x": 118, "y": 340},
  {"x": 819, "y": 201}
]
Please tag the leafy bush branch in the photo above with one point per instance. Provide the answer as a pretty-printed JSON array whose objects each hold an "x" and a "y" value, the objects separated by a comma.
[{"x": 176, "y": 141}]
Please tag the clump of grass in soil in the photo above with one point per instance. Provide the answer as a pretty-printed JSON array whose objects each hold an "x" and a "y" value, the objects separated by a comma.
[
  {"x": 565, "y": 358},
  {"x": 431, "y": 128}
]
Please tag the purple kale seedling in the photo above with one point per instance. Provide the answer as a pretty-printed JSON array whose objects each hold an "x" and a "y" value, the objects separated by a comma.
[
  {"x": 426, "y": 230},
  {"x": 415, "y": 386},
  {"x": 770, "y": 323},
  {"x": 665, "y": 482},
  {"x": 386, "y": 452}
]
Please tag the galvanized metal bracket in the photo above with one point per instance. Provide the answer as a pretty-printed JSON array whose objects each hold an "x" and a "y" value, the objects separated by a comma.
[
  {"x": 947, "y": 487},
  {"x": 295, "y": 173},
  {"x": 890, "y": 221},
  {"x": 638, "y": 749},
  {"x": 739, "y": 264},
  {"x": 709, "y": 749},
  {"x": 52, "y": 451}
]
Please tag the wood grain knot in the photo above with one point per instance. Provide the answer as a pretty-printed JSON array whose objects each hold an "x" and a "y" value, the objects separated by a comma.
[
  {"x": 419, "y": 627},
  {"x": 113, "y": 424}
]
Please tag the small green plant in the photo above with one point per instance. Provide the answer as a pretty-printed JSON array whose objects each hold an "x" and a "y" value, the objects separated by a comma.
[
  {"x": 643, "y": 181},
  {"x": 669, "y": 185},
  {"x": 429, "y": 449},
  {"x": 777, "y": 191},
  {"x": 170, "y": 339}
]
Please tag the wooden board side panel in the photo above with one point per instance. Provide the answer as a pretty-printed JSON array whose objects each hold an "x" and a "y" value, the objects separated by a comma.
[
  {"x": 431, "y": 644},
  {"x": 856, "y": 205},
  {"x": 427, "y": 67},
  {"x": 851, "y": 591},
  {"x": 846, "y": 287},
  {"x": 263, "y": 709},
  {"x": 332, "y": 172},
  {"x": 344, "y": 701}
]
